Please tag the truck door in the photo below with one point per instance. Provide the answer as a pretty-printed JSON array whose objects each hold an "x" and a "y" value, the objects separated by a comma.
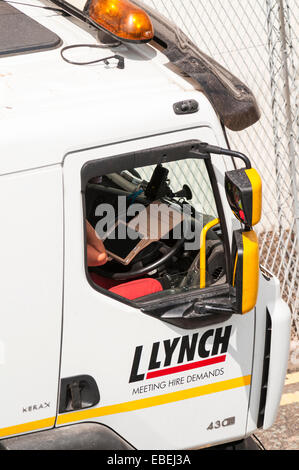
[{"x": 155, "y": 383}]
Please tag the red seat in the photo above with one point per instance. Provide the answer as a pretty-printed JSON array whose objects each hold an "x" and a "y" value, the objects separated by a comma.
[{"x": 129, "y": 290}]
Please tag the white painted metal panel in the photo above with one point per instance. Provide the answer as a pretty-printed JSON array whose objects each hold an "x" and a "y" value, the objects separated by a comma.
[{"x": 31, "y": 270}]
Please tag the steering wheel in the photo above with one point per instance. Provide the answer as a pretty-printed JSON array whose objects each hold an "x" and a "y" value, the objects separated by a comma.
[{"x": 137, "y": 272}]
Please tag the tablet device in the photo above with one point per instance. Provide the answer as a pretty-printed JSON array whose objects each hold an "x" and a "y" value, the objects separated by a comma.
[
  {"x": 126, "y": 240},
  {"x": 117, "y": 245}
]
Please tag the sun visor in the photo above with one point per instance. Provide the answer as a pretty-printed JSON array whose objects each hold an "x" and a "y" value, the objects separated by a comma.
[{"x": 232, "y": 100}]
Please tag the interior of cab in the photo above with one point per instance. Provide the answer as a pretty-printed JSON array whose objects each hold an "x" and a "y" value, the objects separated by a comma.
[{"x": 160, "y": 229}]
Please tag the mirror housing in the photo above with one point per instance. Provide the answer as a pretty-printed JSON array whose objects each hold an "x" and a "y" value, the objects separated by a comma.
[
  {"x": 244, "y": 194},
  {"x": 246, "y": 269}
]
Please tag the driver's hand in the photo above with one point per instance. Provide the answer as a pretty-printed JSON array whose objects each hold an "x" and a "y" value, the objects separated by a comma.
[{"x": 96, "y": 253}]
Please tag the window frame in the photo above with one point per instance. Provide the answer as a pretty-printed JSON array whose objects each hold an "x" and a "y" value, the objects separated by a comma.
[{"x": 147, "y": 157}]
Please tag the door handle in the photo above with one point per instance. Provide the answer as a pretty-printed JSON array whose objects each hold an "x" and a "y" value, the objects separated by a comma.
[{"x": 77, "y": 393}]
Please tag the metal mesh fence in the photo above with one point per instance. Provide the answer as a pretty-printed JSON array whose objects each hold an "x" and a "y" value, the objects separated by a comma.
[{"x": 258, "y": 42}]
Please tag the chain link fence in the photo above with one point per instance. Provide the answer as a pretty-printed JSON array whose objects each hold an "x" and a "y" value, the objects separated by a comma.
[{"x": 257, "y": 41}]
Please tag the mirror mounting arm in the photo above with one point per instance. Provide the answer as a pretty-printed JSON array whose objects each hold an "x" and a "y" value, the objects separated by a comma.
[
  {"x": 204, "y": 149},
  {"x": 201, "y": 309}
]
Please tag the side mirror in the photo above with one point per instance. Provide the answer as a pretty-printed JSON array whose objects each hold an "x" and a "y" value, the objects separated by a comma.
[
  {"x": 245, "y": 280},
  {"x": 244, "y": 194},
  {"x": 237, "y": 298}
]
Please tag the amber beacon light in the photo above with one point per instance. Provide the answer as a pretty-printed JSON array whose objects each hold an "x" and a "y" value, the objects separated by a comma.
[{"x": 122, "y": 19}]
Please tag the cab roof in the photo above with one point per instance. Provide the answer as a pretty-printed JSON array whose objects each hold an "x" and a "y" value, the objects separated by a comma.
[{"x": 49, "y": 107}]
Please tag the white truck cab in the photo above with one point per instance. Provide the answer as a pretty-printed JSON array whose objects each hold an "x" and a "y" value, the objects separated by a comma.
[{"x": 180, "y": 340}]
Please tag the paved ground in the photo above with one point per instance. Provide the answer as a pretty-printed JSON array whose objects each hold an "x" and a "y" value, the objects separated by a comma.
[{"x": 284, "y": 435}]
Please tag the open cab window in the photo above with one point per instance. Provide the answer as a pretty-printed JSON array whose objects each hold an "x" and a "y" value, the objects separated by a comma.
[{"x": 158, "y": 225}]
